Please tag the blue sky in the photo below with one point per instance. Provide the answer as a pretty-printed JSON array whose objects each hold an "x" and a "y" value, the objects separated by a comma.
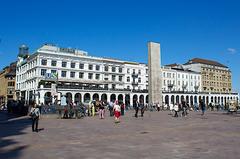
[{"x": 121, "y": 29}]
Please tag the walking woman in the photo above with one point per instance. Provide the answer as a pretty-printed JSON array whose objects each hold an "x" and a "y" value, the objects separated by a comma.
[
  {"x": 117, "y": 111},
  {"x": 101, "y": 110},
  {"x": 35, "y": 115}
]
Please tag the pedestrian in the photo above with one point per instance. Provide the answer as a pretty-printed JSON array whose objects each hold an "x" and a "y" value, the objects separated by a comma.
[
  {"x": 89, "y": 108},
  {"x": 203, "y": 106},
  {"x": 158, "y": 107},
  {"x": 142, "y": 108},
  {"x": 35, "y": 116},
  {"x": 176, "y": 109},
  {"x": 93, "y": 109},
  {"x": 171, "y": 108},
  {"x": 101, "y": 110},
  {"x": 195, "y": 107},
  {"x": 211, "y": 106},
  {"x": 65, "y": 114},
  {"x": 40, "y": 108},
  {"x": 117, "y": 111},
  {"x": 122, "y": 109},
  {"x": 184, "y": 109},
  {"x": 136, "y": 106},
  {"x": 110, "y": 107}
]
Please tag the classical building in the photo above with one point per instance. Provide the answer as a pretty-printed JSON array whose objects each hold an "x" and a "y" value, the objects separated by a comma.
[
  {"x": 216, "y": 77},
  {"x": 178, "y": 79},
  {"x": 52, "y": 72},
  {"x": 75, "y": 71},
  {"x": 7, "y": 80}
]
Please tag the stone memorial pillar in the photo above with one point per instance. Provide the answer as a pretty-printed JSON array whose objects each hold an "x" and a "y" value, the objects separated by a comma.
[{"x": 154, "y": 73}]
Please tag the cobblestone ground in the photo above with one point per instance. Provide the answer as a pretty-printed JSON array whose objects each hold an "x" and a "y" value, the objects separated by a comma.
[{"x": 157, "y": 135}]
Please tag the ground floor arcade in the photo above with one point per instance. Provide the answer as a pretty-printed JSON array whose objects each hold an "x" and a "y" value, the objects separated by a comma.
[{"x": 128, "y": 97}]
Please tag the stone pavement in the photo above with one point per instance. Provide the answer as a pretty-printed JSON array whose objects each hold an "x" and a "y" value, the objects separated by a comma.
[{"x": 156, "y": 136}]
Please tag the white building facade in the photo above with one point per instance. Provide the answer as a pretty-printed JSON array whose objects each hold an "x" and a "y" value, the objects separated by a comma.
[
  {"x": 52, "y": 72},
  {"x": 176, "y": 80}
]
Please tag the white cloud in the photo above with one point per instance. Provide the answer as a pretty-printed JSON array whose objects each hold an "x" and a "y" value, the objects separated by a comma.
[{"x": 232, "y": 50}]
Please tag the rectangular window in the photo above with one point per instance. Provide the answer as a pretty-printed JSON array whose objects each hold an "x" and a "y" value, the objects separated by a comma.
[
  {"x": 64, "y": 74},
  {"x": 81, "y": 66},
  {"x": 113, "y": 77},
  {"x": 90, "y": 75},
  {"x": 54, "y": 63},
  {"x": 10, "y": 83},
  {"x": 44, "y": 62},
  {"x": 113, "y": 86},
  {"x": 139, "y": 72},
  {"x": 81, "y": 74},
  {"x": 90, "y": 67},
  {"x": 64, "y": 64},
  {"x": 72, "y": 74},
  {"x": 120, "y": 70},
  {"x": 139, "y": 80},
  {"x": 53, "y": 71},
  {"x": 97, "y": 67},
  {"x": 133, "y": 71},
  {"x": 113, "y": 69},
  {"x": 120, "y": 78},
  {"x": 72, "y": 65},
  {"x": 97, "y": 76},
  {"x": 43, "y": 72},
  {"x": 106, "y": 68},
  {"x": 128, "y": 79}
]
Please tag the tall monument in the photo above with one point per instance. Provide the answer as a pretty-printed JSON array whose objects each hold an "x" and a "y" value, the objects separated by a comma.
[{"x": 154, "y": 72}]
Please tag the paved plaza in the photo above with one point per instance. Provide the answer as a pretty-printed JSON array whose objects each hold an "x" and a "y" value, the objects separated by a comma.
[{"x": 158, "y": 135}]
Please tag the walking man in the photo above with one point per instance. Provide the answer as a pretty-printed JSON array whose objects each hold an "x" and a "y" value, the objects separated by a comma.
[
  {"x": 35, "y": 115},
  {"x": 184, "y": 109},
  {"x": 203, "y": 106},
  {"x": 136, "y": 106},
  {"x": 110, "y": 107}
]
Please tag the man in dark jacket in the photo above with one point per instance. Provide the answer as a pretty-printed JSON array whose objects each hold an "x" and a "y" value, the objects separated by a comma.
[
  {"x": 136, "y": 107},
  {"x": 203, "y": 106}
]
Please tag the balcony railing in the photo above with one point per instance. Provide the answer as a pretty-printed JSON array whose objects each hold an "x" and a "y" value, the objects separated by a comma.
[
  {"x": 96, "y": 88},
  {"x": 134, "y": 83}
]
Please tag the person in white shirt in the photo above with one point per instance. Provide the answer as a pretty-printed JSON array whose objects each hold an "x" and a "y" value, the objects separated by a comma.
[
  {"x": 176, "y": 108},
  {"x": 35, "y": 115},
  {"x": 117, "y": 111}
]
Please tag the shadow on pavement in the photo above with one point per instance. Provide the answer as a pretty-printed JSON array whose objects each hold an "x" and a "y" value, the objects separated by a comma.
[{"x": 11, "y": 125}]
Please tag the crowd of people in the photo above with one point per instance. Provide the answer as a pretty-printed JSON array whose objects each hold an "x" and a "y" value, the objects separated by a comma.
[
  {"x": 115, "y": 108},
  {"x": 183, "y": 108},
  {"x": 17, "y": 107}
]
